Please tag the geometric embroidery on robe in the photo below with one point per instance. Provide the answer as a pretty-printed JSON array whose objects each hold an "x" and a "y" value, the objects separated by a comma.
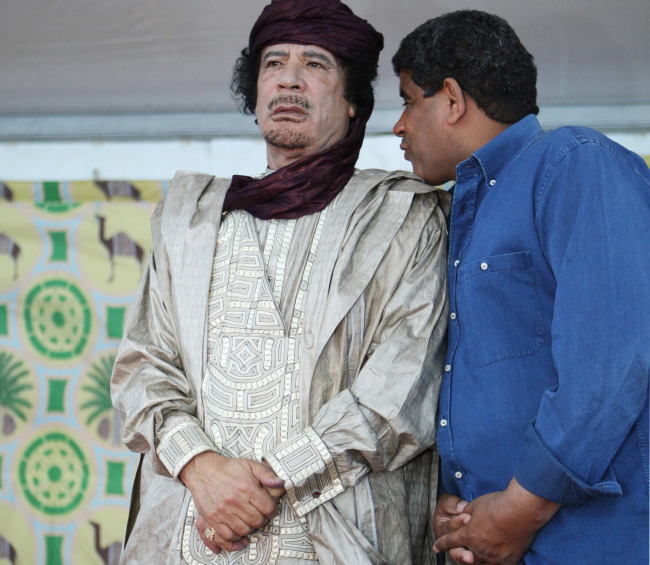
[{"x": 250, "y": 389}]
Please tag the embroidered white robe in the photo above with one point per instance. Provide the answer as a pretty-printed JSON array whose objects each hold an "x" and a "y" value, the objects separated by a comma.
[{"x": 370, "y": 366}]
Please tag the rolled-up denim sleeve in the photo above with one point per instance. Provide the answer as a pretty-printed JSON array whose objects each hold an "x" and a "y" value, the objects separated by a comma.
[{"x": 593, "y": 218}]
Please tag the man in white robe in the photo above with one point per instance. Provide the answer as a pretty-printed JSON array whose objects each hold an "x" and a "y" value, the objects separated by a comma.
[{"x": 280, "y": 366}]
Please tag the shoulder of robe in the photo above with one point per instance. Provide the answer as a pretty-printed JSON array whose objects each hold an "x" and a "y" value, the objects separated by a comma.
[
  {"x": 185, "y": 191},
  {"x": 405, "y": 181},
  {"x": 185, "y": 187}
]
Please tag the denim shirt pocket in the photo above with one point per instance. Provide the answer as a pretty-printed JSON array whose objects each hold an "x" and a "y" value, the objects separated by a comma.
[{"x": 498, "y": 308}]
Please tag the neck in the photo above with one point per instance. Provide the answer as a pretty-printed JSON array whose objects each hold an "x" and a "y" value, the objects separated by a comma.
[
  {"x": 278, "y": 158},
  {"x": 479, "y": 129}
]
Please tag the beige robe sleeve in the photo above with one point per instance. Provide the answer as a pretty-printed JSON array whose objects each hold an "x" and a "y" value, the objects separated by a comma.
[{"x": 149, "y": 387}]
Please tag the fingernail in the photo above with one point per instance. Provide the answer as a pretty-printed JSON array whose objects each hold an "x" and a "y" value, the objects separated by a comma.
[{"x": 435, "y": 549}]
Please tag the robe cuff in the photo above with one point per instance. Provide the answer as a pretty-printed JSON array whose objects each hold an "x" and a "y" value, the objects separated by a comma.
[
  {"x": 305, "y": 465},
  {"x": 181, "y": 444}
]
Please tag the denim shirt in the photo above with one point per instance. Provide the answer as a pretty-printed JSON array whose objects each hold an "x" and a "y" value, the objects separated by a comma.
[{"x": 548, "y": 362}]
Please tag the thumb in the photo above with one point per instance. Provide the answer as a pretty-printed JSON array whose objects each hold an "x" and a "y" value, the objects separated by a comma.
[{"x": 265, "y": 475}]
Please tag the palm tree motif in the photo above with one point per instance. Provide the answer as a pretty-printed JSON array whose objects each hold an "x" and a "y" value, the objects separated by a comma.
[
  {"x": 119, "y": 245},
  {"x": 100, "y": 402},
  {"x": 12, "y": 389},
  {"x": 9, "y": 247},
  {"x": 114, "y": 188}
]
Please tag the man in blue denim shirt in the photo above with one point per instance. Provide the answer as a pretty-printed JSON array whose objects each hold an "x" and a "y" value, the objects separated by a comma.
[{"x": 543, "y": 414}]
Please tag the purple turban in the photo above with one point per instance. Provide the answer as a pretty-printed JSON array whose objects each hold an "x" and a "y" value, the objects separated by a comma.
[
  {"x": 308, "y": 185},
  {"x": 330, "y": 24}
]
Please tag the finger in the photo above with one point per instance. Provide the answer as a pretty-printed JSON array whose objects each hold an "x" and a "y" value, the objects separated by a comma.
[
  {"x": 263, "y": 503},
  {"x": 448, "y": 506},
  {"x": 449, "y": 541},
  {"x": 236, "y": 545},
  {"x": 448, "y": 503},
  {"x": 265, "y": 475},
  {"x": 226, "y": 539},
  {"x": 233, "y": 528},
  {"x": 462, "y": 555},
  {"x": 275, "y": 493},
  {"x": 462, "y": 505},
  {"x": 207, "y": 539},
  {"x": 445, "y": 526},
  {"x": 201, "y": 524},
  {"x": 457, "y": 522},
  {"x": 252, "y": 507}
]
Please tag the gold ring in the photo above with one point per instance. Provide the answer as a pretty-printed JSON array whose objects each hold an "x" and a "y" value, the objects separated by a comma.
[{"x": 209, "y": 533}]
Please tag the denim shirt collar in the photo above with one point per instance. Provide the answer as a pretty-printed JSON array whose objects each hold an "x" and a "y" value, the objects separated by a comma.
[{"x": 497, "y": 154}]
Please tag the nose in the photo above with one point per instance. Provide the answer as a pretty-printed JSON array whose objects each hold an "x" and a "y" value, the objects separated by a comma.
[
  {"x": 291, "y": 77},
  {"x": 398, "y": 128}
]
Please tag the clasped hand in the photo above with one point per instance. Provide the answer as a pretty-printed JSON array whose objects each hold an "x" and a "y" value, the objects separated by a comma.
[
  {"x": 496, "y": 528},
  {"x": 233, "y": 496}
]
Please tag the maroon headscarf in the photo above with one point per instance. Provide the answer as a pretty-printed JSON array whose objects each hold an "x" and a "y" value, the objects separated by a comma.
[{"x": 311, "y": 183}]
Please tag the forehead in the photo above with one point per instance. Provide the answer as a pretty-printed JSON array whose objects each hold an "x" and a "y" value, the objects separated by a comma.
[
  {"x": 408, "y": 88},
  {"x": 406, "y": 81},
  {"x": 300, "y": 50}
]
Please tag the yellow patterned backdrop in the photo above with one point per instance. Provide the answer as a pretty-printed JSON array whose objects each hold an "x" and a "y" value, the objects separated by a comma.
[{"x": 71, "y": 257}]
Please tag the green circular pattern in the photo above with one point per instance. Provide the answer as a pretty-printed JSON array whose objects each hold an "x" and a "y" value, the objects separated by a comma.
[
  {"x": 54, "y": 474},
  {"x": 58, "y": 319}
]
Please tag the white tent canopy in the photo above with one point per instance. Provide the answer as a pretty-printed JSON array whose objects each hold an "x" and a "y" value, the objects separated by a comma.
[{"x": 88, "y": 69}]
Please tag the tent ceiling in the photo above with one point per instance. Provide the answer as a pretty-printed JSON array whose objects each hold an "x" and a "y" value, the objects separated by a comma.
[{"x": 81, "y": 57}]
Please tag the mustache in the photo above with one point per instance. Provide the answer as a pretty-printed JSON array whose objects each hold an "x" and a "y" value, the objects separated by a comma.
[{"x": 290, "y": 100}]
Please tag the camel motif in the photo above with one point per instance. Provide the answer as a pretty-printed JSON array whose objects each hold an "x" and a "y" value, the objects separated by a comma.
[
  {"x": 110, "y": 555},
  {"x": 7, "y": 551},
  {"x": 120, "y": 245},
  {"x": 6, "y": 192},
  {"x": 115, "y": 188},
  {"x": 9, "y": 247}
]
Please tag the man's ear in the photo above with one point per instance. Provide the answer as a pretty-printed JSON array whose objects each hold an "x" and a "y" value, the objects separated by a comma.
[
  {"x": 455, "y": 103},
  {"x": 352, "y": 111}
]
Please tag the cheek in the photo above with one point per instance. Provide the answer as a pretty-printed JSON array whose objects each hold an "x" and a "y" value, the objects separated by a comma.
[
  {"x": 332, "y": 114},
  {"x": 264, "y": 93},
  {"x": 411, "y": 122}
]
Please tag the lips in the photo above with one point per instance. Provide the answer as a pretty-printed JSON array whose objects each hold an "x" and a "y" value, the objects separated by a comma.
[
  {"x": 406, "y": 151},
  {"x": 289, "y": 112}
]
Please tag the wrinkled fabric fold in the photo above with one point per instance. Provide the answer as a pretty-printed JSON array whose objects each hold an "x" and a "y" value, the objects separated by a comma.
[{"x": 304, "y": 187}]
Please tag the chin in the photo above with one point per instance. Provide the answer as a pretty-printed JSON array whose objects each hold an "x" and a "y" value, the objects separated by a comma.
[{"x": 288, "y": 138}]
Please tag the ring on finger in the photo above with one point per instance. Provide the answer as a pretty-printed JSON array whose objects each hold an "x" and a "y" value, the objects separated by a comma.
[{"x": 209, "y": 533}]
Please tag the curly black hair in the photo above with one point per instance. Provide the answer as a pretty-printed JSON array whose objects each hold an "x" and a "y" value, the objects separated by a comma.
[
  {"x": 482, "y": 53},
  {"x": 359, "y": 74}
]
